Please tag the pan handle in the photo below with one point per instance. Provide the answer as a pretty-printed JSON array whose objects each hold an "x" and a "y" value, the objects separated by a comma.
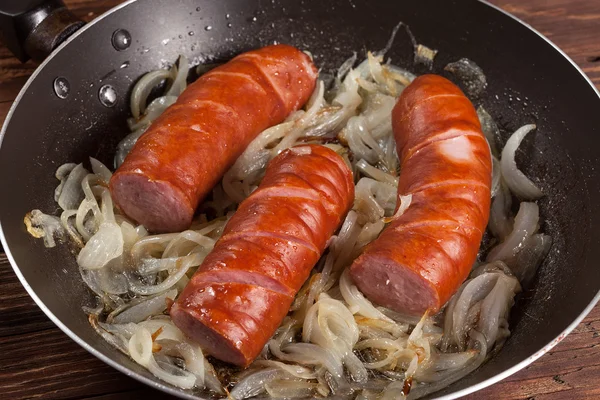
[{"x": 33, "y": 28}]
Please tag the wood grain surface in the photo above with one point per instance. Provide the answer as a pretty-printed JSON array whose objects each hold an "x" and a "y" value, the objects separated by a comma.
[{"x": 37, "y": 360}]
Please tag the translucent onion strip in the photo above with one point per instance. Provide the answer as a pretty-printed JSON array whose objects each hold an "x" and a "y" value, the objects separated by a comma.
[{"x": 518, "y": 183}]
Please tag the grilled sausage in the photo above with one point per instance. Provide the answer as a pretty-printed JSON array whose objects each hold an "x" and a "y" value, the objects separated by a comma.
[
  {"x": 423, "y": 256},
  {"x": 244, "y": 288},
  {"x": 185, "y": 152}
]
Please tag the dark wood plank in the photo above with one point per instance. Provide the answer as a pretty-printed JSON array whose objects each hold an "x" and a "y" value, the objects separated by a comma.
[
  {"x": 143, "y": 393},
  {"x": 18, "y": 312},
  {"x": 49, "y": 364},
  {"x": 38, "y": 361}
]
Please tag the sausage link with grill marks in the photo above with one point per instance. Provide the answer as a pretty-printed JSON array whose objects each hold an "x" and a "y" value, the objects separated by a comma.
[
  {"x": 420, "y": 259},
  {"x": 243, "y": 290},
  {"x": 187, "y": 150}
]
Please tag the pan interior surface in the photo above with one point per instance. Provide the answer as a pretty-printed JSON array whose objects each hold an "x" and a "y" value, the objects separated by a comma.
[{"x": 44, "y": 131}]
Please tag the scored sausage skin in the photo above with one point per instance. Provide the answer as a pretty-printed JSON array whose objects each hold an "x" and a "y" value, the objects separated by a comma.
[
  {"x": 243, "y": 290},
  {"x": 187, "y": 150},
  {"x": 422, "y": 257}
]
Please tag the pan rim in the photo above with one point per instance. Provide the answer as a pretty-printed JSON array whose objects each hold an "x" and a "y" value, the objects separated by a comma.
[{"x": 179, "y": 392}]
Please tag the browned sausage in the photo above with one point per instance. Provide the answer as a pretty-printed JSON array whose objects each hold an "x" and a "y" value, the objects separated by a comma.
[
  {"x": 244, "y": 288},
  {"x": 424, "y": 255},
  {"x": 185, "y": 152}
]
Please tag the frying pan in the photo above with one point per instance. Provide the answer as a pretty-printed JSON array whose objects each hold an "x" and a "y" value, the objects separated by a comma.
[{"x": 76, "y": 103}]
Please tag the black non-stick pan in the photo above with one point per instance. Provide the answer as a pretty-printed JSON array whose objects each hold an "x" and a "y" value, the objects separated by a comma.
[{"x": 76, "y": 103}]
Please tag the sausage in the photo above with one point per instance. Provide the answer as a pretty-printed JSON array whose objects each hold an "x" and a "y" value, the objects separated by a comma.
[
  {"x": 422, "y": 257},
  {"x": 185, "y": 152},
  {"x": 245, "y": 286}
]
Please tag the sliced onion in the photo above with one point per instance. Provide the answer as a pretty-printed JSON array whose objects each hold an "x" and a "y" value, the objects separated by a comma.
[
  {"x": 501, "y": 222},
  {"x": 254, "y": 384},
  {"x": 365, "y": 201},
  {"x": 172, "y": 374},
  {"x": 117, "y": 341},
  {"x": 211, "y": 380},
  {"x": 328, "y": 121},
  {"x": 310, "y": 354},
  {"x": 404, "y": 202},
  {"x": 348, "y": 96},
  {"x": 191, "y": 353},
  {"x": 125, "y": 331},
  {"x": 125, "y": 145},
  {"x": 100, "y": 169},
  {"x": 490, "y": 130},
  {"x": 104, "y": 246},
  {"x": 82, "y": 215},
  {"x": 166, "y": 328},
  {"x": 313, "y": 105},
  {"x": 518, "y": 183},
  {"x": 376, "y": 173},
  {"x": 374, "y": 199},
  {"x": 412, "y": 367},
  {"x": 446, "y": 362},
  {"x": 296, "y": 371},
  {"x": 346, "y": 66},
  {"x": 140, "y": 346},
  {"x": 381, "y": 328},
  {"x": 153, "y": 111},
  {"x": 70, "y": 228},
  {"x": 368, "y": 233},
  {"x": 141, "y": 311},
  {"x": 62, "y": 173},
  {"x": 474, "y": 291},
  {"x": 361, "y": 141},
  {"x": 329, "y": 324},
  {"x": 183, "y": 240},
  {"x": 496, "y": 266},
  {"x": 179, "y": 75},
  {"x": 525, "y": 263},
  {"x": 71, "y": 195},
  {"x": 153, "y": 265},
  {"x": 344, "y": 246},
  {"x": 496, "y": 176},
  {"x": 142, "y": 89},
  {"x": 495, "y": 307},
  {"x": 175, "y": 275},
  {"x": 378, "y": 114},
  {"x": 107, "y": 207},
  {"x": 357, "y": 302},
  {"x": 375, "y": 68},
  {"x": 400, "y": 75},
  {"x": 130, "y": 235},
  {"x": 393, "y": 391},
  {"x": 526, "y": 224},
  {"x": 105, "y": 280},
  {"x": 290, "y": 389},
  {"x": 479, "y": 344},
  {"x": 40, "y": 225}
]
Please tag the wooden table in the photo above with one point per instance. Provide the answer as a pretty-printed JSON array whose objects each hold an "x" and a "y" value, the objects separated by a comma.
[{"x": 38, "y": 360}]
